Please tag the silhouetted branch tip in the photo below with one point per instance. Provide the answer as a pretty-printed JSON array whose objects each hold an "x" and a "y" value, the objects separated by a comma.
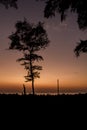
[{"x": 81, "y": 47}]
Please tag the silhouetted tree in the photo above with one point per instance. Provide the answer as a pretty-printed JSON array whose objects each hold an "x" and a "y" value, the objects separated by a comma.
[
  {"x": 29, "y": 39},
  {"x": 76, "y": 6},
  {"x": 9, "y": 3}
]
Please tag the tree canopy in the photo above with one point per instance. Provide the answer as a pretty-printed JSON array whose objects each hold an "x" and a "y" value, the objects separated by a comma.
[{"x": 76, "y": 6}]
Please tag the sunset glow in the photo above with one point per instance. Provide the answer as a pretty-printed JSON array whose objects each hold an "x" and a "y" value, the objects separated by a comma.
[{"x": 59, "y": 62}]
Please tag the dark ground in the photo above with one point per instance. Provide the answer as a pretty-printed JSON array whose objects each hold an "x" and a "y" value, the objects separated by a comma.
[
  {"x": 43, "y": 100},
  {"x": 42, "y": 112}
]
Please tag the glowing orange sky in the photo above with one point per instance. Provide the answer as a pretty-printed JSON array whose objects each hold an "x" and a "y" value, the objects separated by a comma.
[{"x": 59, "y": 59}]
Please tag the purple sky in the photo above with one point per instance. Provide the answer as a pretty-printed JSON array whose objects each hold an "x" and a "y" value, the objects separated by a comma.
[{"x": 59, "y": 59}]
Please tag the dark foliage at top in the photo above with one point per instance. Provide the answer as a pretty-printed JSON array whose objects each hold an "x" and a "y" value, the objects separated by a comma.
[
  {"x": 61, "y": 7},
  {"x": 9, "y": 3},
  {"x": 76, "y": 6}
]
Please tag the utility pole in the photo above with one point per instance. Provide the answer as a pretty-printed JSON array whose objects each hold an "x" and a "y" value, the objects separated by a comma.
[{"x": 57, "y": 86}]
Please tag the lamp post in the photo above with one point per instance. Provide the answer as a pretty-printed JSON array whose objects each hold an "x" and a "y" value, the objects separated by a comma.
[{"x": 57, "y": 86}]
